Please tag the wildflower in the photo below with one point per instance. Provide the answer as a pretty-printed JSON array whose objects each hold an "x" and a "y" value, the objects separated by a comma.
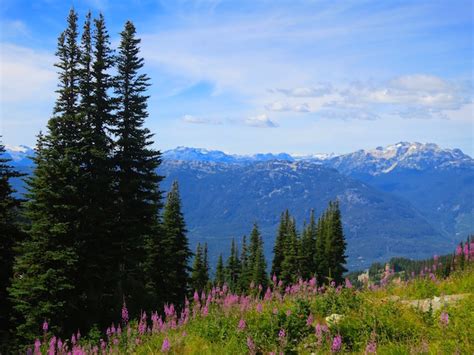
[
  {"x": 259, "y": 307},
  {"x": 242, "y": 325},
  {"x": 166, "y": 345},
  {"x": 336, "y": 344},
  {"x": 281, "y": 333},
  {"x": 124, "y": 313},
  {"x": 348, "y": 283},
  {"x": 205, "y": 311},
  {"x": 45, "y": 326},
  {"x": 371, "y": 348},
  {"x": 37, "y": 346},
  {"x": 458, "y": 250},
  {"x": 444, "y": 319},
  {"x": 309, "y": 321},
  {"x": 288, "y": 312},
  {"x": 274, "y": 279},
  {"x": 251, "y": 345}
]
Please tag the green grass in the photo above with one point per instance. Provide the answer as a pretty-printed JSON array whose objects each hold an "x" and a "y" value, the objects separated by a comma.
[{"x": 396, "y": 327}]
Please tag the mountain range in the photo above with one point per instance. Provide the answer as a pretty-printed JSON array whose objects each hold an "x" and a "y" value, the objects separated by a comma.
[{"x": 406, "y": 199}]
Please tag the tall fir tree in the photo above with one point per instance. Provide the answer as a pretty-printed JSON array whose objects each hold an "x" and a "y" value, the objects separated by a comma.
[
  {"x": 175, "y": 250},
  {"x": 245, "y": 267},
  {"x": 138, "y": 198},
  {"x": 290, "y": 265},
  {"x": 98, "y": 250},
  {"x": 336, "y": 244},
  {"x": 10, "y": 235},
  {"x": 219, "y": 277},
  {"x": 320, "y": 256},
  {"x": 257, "y": 263},
  {"x": 46, "y": 268},
  {"x": 280, "y": 244},
  {"x": 308, "y": 249},
  {"x": 233, "y": 267},
  {"x": 200, "y": 271}
]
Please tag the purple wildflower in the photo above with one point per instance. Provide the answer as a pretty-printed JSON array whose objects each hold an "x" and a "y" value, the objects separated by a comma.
[
  {"x": 124, "y": 313},
  {"x": 242, "y": 325},
  {"x": 444, "y": 319},
  {"x": 37, "y": 346},
  {"x": 310, "y": 320},
  {"x": 166, "y": 345},
  {"x": 371, "y": 348},
  {"x": 251, "y": 345},
  {"x": 348, "y": 283},
  {"x": 281, "y": 333},
  {"x": 336, "y": 344},
  {"x": 45, "y": 326}
]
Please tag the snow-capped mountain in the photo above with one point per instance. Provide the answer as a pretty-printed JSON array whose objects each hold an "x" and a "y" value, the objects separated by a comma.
[
  {"x": 200, "y": 154},
  {"x": 403, "y": 155},
  {"x": 19, "y": 155},
  {"x": 381, "y": 160}
]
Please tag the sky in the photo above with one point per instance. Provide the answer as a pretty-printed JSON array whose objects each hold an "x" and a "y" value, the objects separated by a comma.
[{"x": 300, "y": 77}]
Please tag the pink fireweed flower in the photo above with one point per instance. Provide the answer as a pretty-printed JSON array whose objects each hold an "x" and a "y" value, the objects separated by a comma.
[
  {"x": 73, "y": 338},
  {"x": 45, "y": 326},
  {"x": 242, "y": 325},
  {"x": 458, "y": 250},
  {"x": 37, "y": 346},
  {"x": 348, "y": 283},
  {"x": 259, "y": 308},
  {"x": 274, "y": 279},
  {"x": 268, "y": 294},
  {"x": 52, "y": 346},
  {"x": 251, "y": 345},
  {"x": 288, "y": 312},
  {"x": 165, "y": 347},
  {"x": 281, "y": 333},
  {"x": 310, "y": 320},
  {"x": 205, "y": 311},
  {"x": 124, "y": 313},
  {"x": 466, "y": 251},
  {"x": 336, "y": 344},
  {"x": 444, "y": 319},
  {"x": 371, "y": 348},
  {"x": 60, "y": 345},
  {"x": 196, "y": 297}
]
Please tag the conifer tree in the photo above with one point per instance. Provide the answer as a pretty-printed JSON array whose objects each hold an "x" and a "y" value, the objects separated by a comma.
[
  {"x": 219, "y": 278},
  {"x": 137, "y": 182},
  {"x": 290, "y": 265},
  {"x": 98, "y": 250},
  {"x": 280, "y": 244},
  {"x": 308, "y": 249},
  {"x": 175, "y": 250},
  {"x": 200, "y": 270},
  {"x": 321, "y": 257},
  {"x": 233, "y": 267},
  {"x": 257, "y": 263},
  {"x": 336, "y": 244},
  {"x": 9, "y": 236},
  {"x": 245, "y": 267},
  {"x": 46, "y": 268}
]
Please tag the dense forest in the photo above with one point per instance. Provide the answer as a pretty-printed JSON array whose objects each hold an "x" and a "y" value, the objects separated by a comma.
[{"x": 95, "y": 234}]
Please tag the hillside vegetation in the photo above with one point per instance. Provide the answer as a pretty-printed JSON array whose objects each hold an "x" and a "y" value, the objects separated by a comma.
[{"x": 387, "y": 318}]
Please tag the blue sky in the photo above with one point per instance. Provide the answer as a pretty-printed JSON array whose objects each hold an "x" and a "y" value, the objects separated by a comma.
[{"x": 266, "y": 76}]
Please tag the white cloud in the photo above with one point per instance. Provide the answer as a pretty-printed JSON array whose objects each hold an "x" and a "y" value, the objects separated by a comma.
[
  {"x": 26, "y": 75},
  {"x": 317, "y": 90},
  {"x": 279, "y": 106},
  {"x": 262, "y": 121},
  {"x": 199, "y": 120}
]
